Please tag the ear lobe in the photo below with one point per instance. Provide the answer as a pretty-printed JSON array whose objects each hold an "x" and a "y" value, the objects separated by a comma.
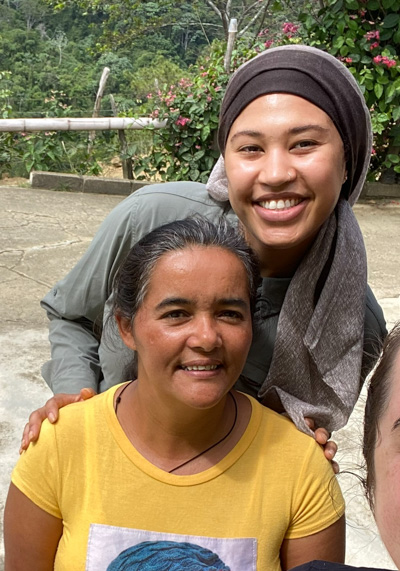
[{"x": 125, "y": 331}]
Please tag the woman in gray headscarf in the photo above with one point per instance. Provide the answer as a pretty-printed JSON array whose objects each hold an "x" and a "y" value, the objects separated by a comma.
[{"x": 295, "y": 138}]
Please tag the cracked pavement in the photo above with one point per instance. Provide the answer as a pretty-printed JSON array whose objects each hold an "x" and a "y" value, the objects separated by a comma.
[{"x": 42, "y": 235}]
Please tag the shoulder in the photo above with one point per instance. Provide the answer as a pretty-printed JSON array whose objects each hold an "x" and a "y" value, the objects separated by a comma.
[
  {"x": 374, "y": 318},
  {"x": 158, "y": 204},
  {"x": 188, "y": 195}
]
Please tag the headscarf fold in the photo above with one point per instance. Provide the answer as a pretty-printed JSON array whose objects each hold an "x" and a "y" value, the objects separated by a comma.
[{"x": 316, "y": 364}]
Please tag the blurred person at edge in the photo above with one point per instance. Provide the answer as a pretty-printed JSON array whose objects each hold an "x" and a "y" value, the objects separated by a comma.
[
  {"x": 381, "y": 449},
  {"x": 295, "y": 139}
]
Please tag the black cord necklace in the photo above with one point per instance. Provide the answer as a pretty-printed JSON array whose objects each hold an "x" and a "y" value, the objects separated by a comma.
[
  {"x": 118, "y": 400},
  {"x": 213, "y": 445}
]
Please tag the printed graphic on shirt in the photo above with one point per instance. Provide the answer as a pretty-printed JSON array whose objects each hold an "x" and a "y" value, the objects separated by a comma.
[{"x": 121, "y": 549}]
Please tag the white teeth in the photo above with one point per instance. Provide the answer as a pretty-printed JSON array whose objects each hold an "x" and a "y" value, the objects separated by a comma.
[
  {"x": 280, "y": 205},
  {"x": 201, "y": 368}
]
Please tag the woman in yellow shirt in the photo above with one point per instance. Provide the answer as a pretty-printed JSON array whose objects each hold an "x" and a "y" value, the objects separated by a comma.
[{"x": 176, "y": 464}]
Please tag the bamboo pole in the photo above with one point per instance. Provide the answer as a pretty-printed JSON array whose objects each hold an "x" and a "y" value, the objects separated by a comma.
[
  {"x": 126, "y": 163},
  {"x": 78, "y": 124}
]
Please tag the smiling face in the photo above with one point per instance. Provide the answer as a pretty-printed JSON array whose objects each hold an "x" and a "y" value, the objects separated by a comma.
[
  {"x": 387, "y": 469},
  {"x": 193, "y": 330},
  {"x": 285, "y": 165}
]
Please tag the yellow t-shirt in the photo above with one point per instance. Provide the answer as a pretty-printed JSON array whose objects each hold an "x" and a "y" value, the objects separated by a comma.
[{"x": 115, "y": 505}]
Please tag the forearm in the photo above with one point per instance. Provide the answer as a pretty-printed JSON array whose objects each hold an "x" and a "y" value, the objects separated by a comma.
[{"x": 74, "y": 360}]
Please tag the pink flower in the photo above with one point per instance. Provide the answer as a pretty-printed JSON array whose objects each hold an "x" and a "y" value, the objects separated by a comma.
[
  {"x": 197, "y": 147},
  {"x": 374, "y": 45},
  {"x": 362, "y": 12},
  {"x": 373, "y": 152},
  {"x": 348, "y": 60},
  {"x": 149, "y": 96},
  {"x": 289, "y": 29},
  {"x": 181, "y": 121},
  {"x": 384, "y": 60},
  {"x": 268, "y": 44},
  {"x": 373, "y": 34},
  {"x": 353, "y": 16}
]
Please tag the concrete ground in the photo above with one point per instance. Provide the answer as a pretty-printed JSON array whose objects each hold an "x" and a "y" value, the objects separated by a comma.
[{"x": 43, "y": 233}]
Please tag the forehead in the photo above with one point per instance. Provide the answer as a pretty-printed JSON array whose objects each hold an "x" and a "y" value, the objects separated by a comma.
[
  {"x": 199, "y": 270},
  {"x": 286, "y": 107},
  {"x": 391, "y": 415}
]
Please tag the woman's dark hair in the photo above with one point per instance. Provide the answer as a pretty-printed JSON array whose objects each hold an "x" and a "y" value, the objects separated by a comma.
[
  {"x": 133, "y": 277},
  {"x": 377, "y": 402}
]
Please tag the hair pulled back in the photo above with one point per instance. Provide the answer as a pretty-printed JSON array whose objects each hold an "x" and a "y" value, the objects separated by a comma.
[
  {"x": 133, "y": 277},
  {"x": 377, "y": 402}
]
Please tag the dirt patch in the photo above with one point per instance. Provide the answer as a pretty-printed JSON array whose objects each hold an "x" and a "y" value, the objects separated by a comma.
[{"x": 17, "y": 181}]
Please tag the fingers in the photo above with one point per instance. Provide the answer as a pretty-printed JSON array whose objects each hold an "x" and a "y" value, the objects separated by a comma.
[
  {"x": 86, "y": 394},
  {"x": 32, "y": 428},
  {"x": 321, "y": 436}
]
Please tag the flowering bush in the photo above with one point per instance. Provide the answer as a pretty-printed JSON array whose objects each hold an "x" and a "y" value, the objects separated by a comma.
[
  {"x": 365, "y": 36},
  {"x": 186, "y": 149}
]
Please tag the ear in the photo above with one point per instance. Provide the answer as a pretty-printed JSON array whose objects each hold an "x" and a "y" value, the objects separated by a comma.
[{"x": 125, "y": 331}]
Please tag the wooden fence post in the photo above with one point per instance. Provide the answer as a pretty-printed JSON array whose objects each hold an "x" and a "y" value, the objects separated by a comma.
[
  {"x": 126, "y": 163},
  {"x": 96, "y": 109},
  {"x": 231, "y": 42}
]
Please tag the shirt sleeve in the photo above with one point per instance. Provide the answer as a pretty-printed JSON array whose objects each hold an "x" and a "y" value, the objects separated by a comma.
[
  {"x": 75, "y": 305},
  {"x": 317, "y": 499},
  {"x": 37, "y": 473}
]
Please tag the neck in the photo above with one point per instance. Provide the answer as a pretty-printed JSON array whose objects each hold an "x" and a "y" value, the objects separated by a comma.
[
  {"x": 280, "y": 262},
  {"x": 168, "y": 437}
]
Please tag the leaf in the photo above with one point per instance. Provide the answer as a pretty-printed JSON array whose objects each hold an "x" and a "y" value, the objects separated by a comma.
[
  {"x": 395, "y": 159},
  {"x": 373, "y": 5},
  {"x": 391, "y": 20},
  {"x": 338, "y": 42},
  {"x": 396, "y": 113},
  {"x": 352, "y": 5},
  {"x": 388, "y": 3},
  {"x": 378, "y": 89},
  {"x": 337, "y": 7}
]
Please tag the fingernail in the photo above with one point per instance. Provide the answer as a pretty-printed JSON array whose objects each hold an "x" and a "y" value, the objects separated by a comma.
[
  {"x": 30, "y": 436},
  {"x": 52, "y": 418}
]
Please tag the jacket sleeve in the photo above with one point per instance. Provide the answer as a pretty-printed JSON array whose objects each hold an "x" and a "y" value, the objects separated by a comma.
[
  {"x": 374, "y": 334},
  {"x": 75, "y": 304}
]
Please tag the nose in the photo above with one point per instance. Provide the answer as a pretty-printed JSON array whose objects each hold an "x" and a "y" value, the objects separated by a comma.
[
  {"x": 276, "y": 168},
  {"x": 205, "y": 335}
]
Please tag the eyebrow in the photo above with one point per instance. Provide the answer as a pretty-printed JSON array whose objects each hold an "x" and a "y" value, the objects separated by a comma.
[
  {"x": 396, "y": 424},
  {"x": 291, "y": 131},
  {"x": 230, "y": 301}
]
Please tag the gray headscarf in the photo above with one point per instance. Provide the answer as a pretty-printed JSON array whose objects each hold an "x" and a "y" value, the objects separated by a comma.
[{"x": 316, "y": 364}]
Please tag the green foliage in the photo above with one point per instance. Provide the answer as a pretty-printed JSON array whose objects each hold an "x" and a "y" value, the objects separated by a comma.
[
  {"x": 46, "y": 151},
  {"x": 365, "y": 36},
  {"x": 186, "y": 149}
]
